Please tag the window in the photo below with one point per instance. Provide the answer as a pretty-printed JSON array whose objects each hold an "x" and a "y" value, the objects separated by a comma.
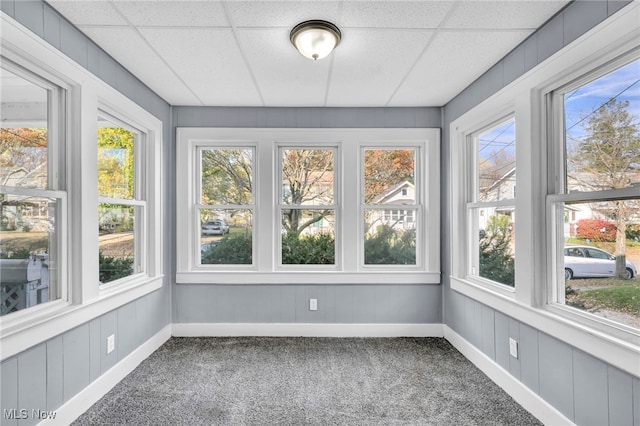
[
  {"x": 577, "y": 194},
  {"x": 391, "y": 205},
  {"x": 225, "y": 211},
  {"x": 121, "y": 207},
  {"x": 491, "y": 203},
  {"x": 273, "y": 205},
  {"x": 73, "y": 185},
  {"x": 307, "y": 206},
  {"x": 33, "y": 195},
  {"x": 597, "y": 150}
]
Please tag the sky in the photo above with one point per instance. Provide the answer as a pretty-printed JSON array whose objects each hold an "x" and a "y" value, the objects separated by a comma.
[{"x": 623, "y": 84}]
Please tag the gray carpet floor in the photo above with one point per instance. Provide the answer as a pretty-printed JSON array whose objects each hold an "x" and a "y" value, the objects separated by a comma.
[{"x": 306, "y": 381}]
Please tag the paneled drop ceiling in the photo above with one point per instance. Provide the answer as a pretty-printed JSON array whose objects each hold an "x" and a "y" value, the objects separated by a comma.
[{"x": 237, "y": 53}]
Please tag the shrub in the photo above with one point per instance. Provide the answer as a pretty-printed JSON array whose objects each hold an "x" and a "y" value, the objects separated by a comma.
[
  {"x": 496, "y": 261},
  {"x": 230, "y": 250},
  {"x": 308, "y": 249},
  {"x": 596, "y": 230},
  {"x": 387, "y": 247},
  {"x": 113, "y": 268},
  {"x": 633, "y": 232}
]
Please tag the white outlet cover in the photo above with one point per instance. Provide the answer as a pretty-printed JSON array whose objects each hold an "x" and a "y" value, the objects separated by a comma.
[
  {"x": 313, "y": 304},
  {"x": 513, "y": 347},
  {"x": 111, "y": 343}
]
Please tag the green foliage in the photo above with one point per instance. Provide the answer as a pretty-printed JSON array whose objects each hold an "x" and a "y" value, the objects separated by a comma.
[
  {"x": 633, "y": 232},
  {"x": 387, "y": 247},
  {"x": 308, "y": 250},
  {"x": 15, "y": 253},
  {"x": 115, "y": 162},
  {"x": 233, "y": 249},
  {"x": 620, "y": 298},
  {"x": 496, "y": 261},
  {"x": 113, "y": 268}
]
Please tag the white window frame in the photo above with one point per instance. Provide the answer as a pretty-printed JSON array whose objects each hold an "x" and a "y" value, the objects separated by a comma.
[
  {"x": 349, "y": 231},
  {"x": 473, "y": 205},
  {"x": 422, "y": 181},
  {"x": 280, "y": 206},
  {"x": 535, "y": 245},
  {"x": 82, "y": 299}
]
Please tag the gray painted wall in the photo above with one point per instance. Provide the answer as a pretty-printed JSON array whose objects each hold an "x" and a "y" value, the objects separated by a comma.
[
  {"x": 343, "y": 303},
  {"x": 583, "y": 388},
  {"x": 50, "y": 373}
]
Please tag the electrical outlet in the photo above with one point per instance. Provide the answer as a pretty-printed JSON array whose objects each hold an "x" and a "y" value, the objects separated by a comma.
[
  {"x": 513, "y": 347},
  {"x": 111, "y": 343},
  {"x": 313, "y": 304}
]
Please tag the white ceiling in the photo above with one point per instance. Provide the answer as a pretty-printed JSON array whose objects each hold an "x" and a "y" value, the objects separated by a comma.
[{"x": 237, "y": 53}]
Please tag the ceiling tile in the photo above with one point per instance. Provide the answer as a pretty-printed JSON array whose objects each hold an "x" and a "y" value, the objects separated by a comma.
[
  {"x": 370, "y": 64},
  {"x": 394, "y": 14},
  {"x": 209, "y": 62},
  {"x": 503, "y": 14},
  {"x": 81, "y": 12},
  {"x": 174, "y": 13},
  {"x": 285, "y": 77},
  {"x": 126, "y": 47},
  {"x": 280, "y": 13},
  {"x": 451, "y": 63}
]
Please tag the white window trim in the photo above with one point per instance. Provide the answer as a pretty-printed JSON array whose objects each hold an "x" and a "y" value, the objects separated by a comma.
[
  {"x": 266, "y": 141},
  {"x": 526, "y": 96},
  {"x": 85, "y": 299}
]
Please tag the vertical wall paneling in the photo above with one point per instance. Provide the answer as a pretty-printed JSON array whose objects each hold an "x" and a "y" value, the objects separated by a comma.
[
  {"x": 95, "y": 352},
  {"x": 591, "y": 396},
  {"x": 55, "y": 373},
  {"x": 514, "y": 333},
  {"x": 502, "y": 340},
  {"x": 108, "y": 327},
  {"x": 581, "y": 17},
  {"x": 32, "y": 385},
  {"x": 51, "y": 27},
  {"x": 127, "y": 339},
  {"x": 556, "y": 373},
  {"x": 31, "y": 15},
  {"x": 636, "y": 401},
  {"x": 488, "y": 332},
  {"x": 76, "y": 360},
  {"x": 9, "y": 388},
  {"x": 528, "y": 352},
  {"x": 620, "y": 392}
]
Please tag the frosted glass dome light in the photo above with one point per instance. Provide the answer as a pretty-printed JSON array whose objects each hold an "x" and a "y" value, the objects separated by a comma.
[{"x": 315, "y": 39}]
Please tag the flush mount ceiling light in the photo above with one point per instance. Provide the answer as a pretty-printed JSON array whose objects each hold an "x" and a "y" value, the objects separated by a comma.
[{"x": 315, "y": 39}]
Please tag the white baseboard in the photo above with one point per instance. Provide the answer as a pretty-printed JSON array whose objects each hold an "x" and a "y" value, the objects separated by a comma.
[
  {"x": 307, "y": 330},
  {"x": 524, "y": 396},
  {"x": 103, "y": 384}
]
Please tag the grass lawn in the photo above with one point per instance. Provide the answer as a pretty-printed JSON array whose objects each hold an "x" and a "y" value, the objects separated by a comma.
[{"x": 605, "y": 294}]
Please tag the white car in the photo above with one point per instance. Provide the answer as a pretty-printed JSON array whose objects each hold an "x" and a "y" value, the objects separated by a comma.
[
  {"x": 587, "y": 261},
  {"x": 215, "y": 227}
]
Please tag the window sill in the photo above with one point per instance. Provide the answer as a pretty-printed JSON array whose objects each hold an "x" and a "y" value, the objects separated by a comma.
[
  {"x": 561, "y": 324},
  {"x": 51, "y": 319},
  {"x": 308, "y": 277}
]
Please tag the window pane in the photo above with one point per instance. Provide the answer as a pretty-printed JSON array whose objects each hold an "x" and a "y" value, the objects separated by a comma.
[
  {"x": 23, "y": 133},
  {"x": 389, "y": 176},
  {"x": 116, "y": 161},
  {"x": 496, "y": 163},
  {"x": 27, "y": 237},
  {"x": 602, "y": 125},
  {"x": 226, "y": 237},
  {"x": 227, "y": 176},
  {"x": 390, "y": 237},
  {"x": 307, "y": 177},
  {"x": 308, "y": 237},
  {"x": 593, "y": 234},
  {"x": 496, "y": 243},
  {"x": 116, "y": 242}
]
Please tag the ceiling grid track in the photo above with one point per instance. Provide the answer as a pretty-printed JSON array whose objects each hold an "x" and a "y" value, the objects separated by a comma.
[
  {"x": 142, "y": 37},
  {"x": 243, "y": 53},
  {"x": 424, "y": 50}
]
